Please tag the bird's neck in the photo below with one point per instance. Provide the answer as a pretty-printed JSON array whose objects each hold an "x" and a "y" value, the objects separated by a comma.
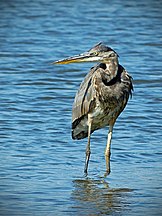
[{"x": 112, "y": 68}]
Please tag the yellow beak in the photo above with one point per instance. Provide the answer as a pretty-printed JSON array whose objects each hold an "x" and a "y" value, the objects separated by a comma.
[{"x": 85, "y": 57}]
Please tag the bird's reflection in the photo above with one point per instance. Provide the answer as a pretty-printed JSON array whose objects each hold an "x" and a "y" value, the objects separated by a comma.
[{"x": 95, "y": 197}]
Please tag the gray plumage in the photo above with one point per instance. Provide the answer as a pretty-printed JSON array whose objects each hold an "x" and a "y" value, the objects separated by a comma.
[{"x": 98, "y": 87}]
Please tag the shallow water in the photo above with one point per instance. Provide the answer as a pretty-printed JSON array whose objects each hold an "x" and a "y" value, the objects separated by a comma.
[{"x": 41, "y": 171}]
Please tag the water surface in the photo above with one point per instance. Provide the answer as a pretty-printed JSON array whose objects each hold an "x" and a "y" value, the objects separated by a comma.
[{"x": 41, "y": 171}]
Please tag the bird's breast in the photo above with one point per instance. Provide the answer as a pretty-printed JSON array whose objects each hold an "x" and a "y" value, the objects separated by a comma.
[{"x": 103, "y": 115}]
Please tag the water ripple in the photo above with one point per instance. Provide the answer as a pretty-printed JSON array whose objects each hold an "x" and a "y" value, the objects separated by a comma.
[{"x": 41, "y": 166}]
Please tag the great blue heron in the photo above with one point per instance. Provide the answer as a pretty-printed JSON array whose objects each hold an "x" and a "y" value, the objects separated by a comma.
[{"x": 101, "y": 98}]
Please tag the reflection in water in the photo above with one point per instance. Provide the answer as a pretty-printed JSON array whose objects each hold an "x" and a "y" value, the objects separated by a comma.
[{"x": 95, "y": 197}]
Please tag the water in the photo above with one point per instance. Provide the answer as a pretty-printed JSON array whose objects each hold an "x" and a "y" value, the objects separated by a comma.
[{"x": 41, "y": 171}]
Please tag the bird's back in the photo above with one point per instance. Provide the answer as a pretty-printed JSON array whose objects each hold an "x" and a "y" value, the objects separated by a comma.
[{"x": 102, "y": 97}]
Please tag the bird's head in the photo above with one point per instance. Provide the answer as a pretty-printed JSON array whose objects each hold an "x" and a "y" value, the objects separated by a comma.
[{"x": 98, "y": 53}]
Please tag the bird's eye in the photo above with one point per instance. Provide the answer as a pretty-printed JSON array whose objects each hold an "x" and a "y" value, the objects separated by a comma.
[
  {"x": 94, "y": 53},
  {"x": 112, "y": 55}
]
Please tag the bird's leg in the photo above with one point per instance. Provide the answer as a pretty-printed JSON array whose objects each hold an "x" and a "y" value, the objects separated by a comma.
[
  {"x": 88, "y": 152},
  {"x": 108, "y": 150}
]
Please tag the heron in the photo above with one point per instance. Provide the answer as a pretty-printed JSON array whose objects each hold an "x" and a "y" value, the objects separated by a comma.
[{"x": 102, "y": 96}]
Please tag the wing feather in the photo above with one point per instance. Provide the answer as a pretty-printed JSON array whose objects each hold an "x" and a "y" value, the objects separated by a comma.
[{"x": 84, "y": 98}]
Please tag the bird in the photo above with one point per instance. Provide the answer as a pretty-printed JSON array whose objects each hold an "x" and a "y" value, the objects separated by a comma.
[{"x": 101, "y": 97}]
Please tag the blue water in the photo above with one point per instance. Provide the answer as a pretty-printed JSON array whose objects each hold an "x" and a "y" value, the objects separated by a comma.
[{"x": 41, "y": 171}]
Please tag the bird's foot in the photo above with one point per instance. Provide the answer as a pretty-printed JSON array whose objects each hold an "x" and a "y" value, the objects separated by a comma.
[{"x": 107, "y": 173}]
